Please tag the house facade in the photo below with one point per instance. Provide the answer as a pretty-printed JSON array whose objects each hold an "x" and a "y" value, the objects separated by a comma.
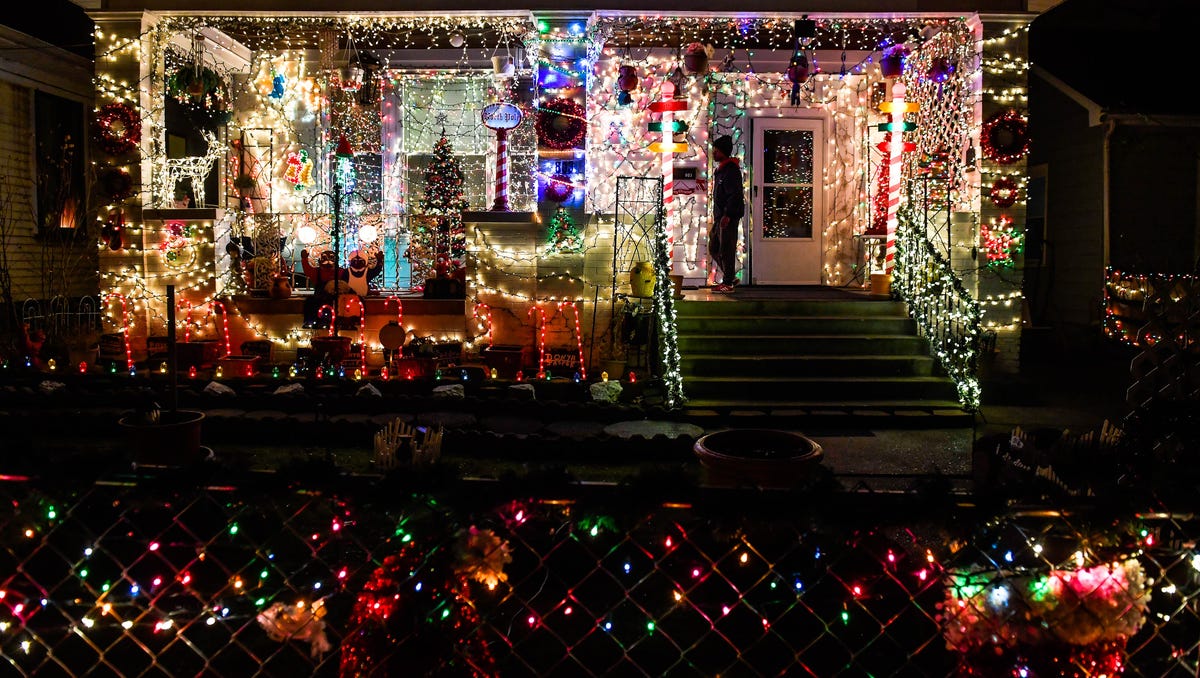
[{"x": 240, "y": 132}]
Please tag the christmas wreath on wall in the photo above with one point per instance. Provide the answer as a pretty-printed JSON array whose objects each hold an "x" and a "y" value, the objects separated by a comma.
[
  {"x": 118, "y": 129},
  {"x": 561, "y": 124},
  {"x": 1005, "y": 137},
  {"x": 1004, "y": 192},
  {"x": 115, "y": 183},
  {"x": 558, "y": 188}
]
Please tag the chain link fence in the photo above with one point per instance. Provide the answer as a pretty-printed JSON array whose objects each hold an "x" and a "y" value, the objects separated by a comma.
[{"x": 154, "y": 576}]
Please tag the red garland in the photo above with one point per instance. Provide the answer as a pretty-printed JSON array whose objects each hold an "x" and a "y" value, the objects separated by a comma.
[
  {"x": 1005, "y": 137},
  {"x": 1004, "y": 192},
  {"x": 570, "y": 134},
  {"x": 118, "y": 129}
]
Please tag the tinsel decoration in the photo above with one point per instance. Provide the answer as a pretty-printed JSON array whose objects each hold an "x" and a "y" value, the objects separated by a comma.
[
  {"x": 115, "y": 183},
  {"x": 415, "y": 617},
  {"x": 444, "y": 199},
  {"x": 1005, "y": 137},
  {"x": 118, "y": 129},
  {"x": 558, "y": 188},
  {"x": 561, "y": 124},
  {"x": 564, "y": 236},
  {"x": 301, "y": 621}
]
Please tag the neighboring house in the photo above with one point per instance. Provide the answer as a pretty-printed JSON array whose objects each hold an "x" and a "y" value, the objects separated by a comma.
[
  {"x": 47, "y": 256},
  {"x": 1114, "y": 153}
]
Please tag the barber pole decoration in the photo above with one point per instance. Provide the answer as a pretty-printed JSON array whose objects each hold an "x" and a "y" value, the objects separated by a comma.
[
  {"x": 669, "y": 127},
  {"x": 501, "y": 118},
  {"x": 895, "y": 147}
]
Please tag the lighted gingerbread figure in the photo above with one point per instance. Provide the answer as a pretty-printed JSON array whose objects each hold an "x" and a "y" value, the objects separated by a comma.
[{"x": 362, "y": 276}]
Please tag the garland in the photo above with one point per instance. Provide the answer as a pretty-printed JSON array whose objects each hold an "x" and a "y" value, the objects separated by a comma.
[
  {"x": 1004, "y": 192},
  {"x": 1005, "y": 137},
  {"x": 118, "y": 129},
  {"x": 561, "y": 124}
]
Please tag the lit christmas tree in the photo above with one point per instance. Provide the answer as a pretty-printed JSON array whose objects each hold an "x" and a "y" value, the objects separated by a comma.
[
  {"x": 563, "y": 237},
  {"x": 444, "y": 200}
]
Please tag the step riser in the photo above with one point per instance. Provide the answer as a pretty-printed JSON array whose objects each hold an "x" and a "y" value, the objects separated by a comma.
[
  {"x": 873, "y": 326},
  {"x": 831, "y": 391},
  {"x": 892, "y": 345},
  {"x": 793, "y": 308},
  {"x": 808, "y": 367}
]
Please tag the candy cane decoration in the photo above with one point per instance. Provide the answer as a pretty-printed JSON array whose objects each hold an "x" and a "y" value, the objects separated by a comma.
[
  {"x": 501, "y": 203},
  {"x": 362, "y": 331},
  {"x": 332, "y": 318},
  {"x": 124, "y": 326},
  {"x": 214, "y": 304},
  {"x": 541, "y": 332},
  {"x": 187, "y": 319},
  {"x": 895, "y": 147},
  {"x": 578, "y": 336},
  {"x": 669, "y": 126},
  {"x": 399, "y": 308},
  {"x": 487, "y": 318}
]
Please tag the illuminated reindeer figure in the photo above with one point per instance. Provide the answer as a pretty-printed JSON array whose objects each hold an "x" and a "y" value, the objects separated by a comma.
[{"x": 194, "y": 169}]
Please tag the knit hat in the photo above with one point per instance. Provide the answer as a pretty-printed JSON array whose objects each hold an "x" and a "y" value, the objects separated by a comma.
[{"x": 724, "y": 144}]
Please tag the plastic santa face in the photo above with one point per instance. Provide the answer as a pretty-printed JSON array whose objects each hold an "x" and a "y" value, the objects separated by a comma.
[{"x": 327, "y": 258}]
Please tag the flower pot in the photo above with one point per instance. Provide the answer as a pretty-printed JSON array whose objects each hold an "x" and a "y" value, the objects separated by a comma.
[
  {"x": 330, "y": 348},
  {"x": 760, "y": 457},
  {"x": 641, "y": 279},
  {"x": 881, "y": 283},
  {"x": 891, "y": 66},
  {"x": 506, "y": 360},
  {"x": 173, "y": 441},
  {"x": 503, "y": 65},
  {"x": 695, "y": 63},
  {"x": 281, "y": 287},
  {"x": 615, "y": 368},
  {"x": 677, "y": 283}
]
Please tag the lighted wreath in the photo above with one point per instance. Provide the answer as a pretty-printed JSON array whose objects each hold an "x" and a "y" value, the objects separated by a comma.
[
  {"x": 1005, "y": 137},
  {"x": 118, "y": 129},
  {"x": 1004, "y": 192},
  {"x": 115, "y": 183},
  {"x": 558, "y": 188},
  {"x": 561, "y": 124}
]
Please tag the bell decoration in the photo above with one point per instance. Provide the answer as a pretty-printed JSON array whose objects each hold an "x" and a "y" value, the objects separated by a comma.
[
  {"x": 344, "y": 150},
  {"x": 797, "y": 73}
]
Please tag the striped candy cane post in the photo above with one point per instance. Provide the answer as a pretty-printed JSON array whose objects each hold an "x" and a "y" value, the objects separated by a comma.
[
  {"x": 501, "y": 203},
  {"x": 895, "y": 155},
  {"x": 668, "y": 173}
]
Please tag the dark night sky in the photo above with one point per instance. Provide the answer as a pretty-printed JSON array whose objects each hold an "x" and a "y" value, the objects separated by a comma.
[
  {"x": 1127, "y": 55},
  {"x": 59, "y": 22}
]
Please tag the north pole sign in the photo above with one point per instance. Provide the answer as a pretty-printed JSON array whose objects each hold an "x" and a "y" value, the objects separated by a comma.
[{"x": 501, "y": 116}]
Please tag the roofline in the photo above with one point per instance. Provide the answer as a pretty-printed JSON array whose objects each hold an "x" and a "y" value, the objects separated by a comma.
[{"x": 1094, "y": 110}]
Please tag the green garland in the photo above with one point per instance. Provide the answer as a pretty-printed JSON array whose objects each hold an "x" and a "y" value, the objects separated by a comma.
[{"x": 664, "y": 310}]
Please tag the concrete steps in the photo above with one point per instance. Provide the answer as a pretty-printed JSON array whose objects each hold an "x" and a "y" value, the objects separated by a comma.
[{"x": 836, "y": 362}]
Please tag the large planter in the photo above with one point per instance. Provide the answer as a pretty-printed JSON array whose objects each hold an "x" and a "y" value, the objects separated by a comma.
[
  {"x": 330, "y": 348},
  {"x": 761, "y": 457},
  {"x": 506, "y": 360},
  {"x": 173, "y": 441}
]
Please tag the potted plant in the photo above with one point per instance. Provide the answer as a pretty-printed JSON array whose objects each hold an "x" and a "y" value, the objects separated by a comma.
[
  {"x": 760, "y": 457},
  {"x": 696, "y": 56},
  {"x": 170, "y": 438}
]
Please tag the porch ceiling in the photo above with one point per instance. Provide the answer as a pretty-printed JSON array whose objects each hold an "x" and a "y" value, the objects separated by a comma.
[{"x": 763, "y": 33}]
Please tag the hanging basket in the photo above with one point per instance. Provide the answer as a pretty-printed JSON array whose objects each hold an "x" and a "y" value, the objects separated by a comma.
[{"x": 891, "y": 65}]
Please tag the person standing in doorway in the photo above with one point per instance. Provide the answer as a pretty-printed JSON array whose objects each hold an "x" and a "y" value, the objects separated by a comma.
[{"x": 729, "y": 205}]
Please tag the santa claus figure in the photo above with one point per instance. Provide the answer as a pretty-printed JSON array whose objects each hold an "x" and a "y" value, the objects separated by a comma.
[{"x": 362, "y": 276}]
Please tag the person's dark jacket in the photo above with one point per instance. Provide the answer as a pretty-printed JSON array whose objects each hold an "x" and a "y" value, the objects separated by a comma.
[{"x": 728, "y": 197}]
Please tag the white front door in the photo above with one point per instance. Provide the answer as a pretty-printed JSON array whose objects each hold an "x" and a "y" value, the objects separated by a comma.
[{"x": 788, "y": 201}]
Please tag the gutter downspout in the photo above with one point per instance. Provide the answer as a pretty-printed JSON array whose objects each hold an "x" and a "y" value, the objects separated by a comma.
[{"x": 1110, "y": 126}]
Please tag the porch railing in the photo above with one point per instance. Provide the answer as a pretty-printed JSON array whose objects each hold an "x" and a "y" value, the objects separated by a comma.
[{"x": 945, "y": 313}]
